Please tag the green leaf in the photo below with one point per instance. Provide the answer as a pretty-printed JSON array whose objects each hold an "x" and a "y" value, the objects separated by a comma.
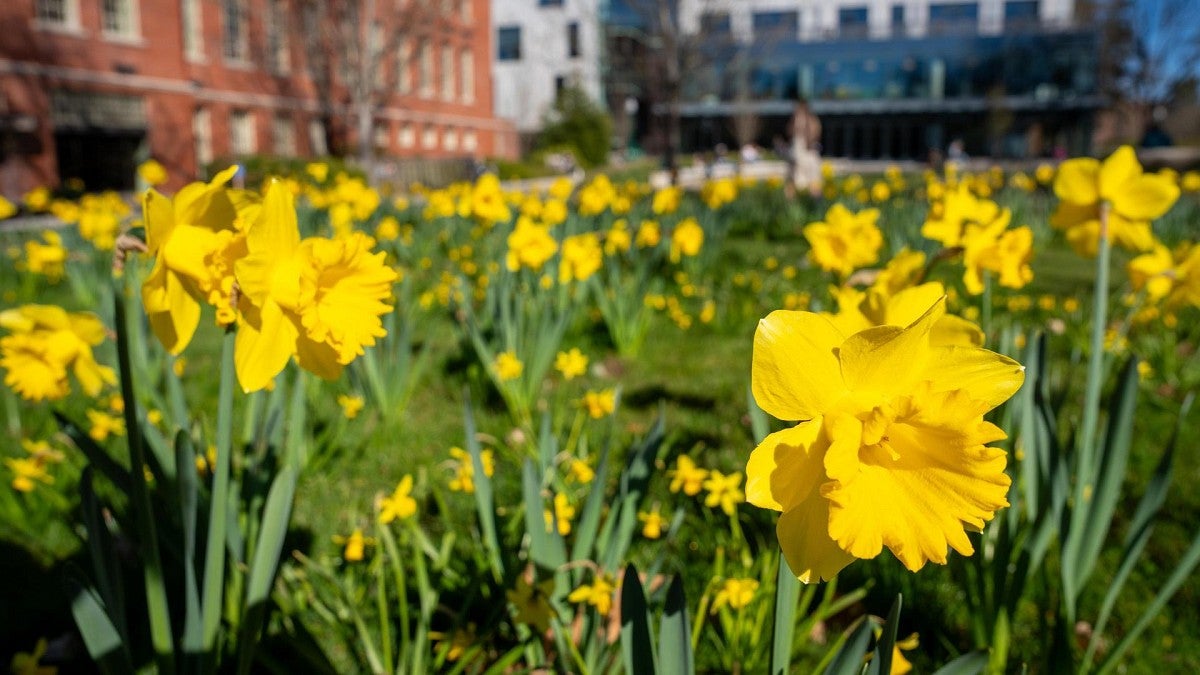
[
  {"x": 787, "y": 594},
  {"x": 849, "y": 658},
  {"x": 276, "y": 516},
  {"x": 970, "y": 663},
  {"x": 485, "y": 506},
  {"x": 636, "y": 650},
  {"x": 105, "y": 564},
  {"x": 1114, "y": 460},
  {"x": 193, "y": 623},
  {"x": 218, "y": 514},
  {"x": 885, "y": 646},
  {"x": 97, "y": 457},
  {"x": 674, "y": 642},
  {"x": 593, "y": 508},
  {"x": 546, "y": 547},
  {"x": 760, "y": 425},
  {"x": 101, "y": 638},
  {"x": 634, "y": 482}
]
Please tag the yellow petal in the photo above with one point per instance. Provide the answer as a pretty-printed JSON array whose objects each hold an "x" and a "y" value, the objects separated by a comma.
[
  {"x": 955, "y": 330},
  {"x": 1145, "y": 197},
  {"x": 987, "y": 377},
  {"x": 159, "y": 219},
  {"x": 887, "y": 360},
  {"x": 176, "y": 323},
  {"x": 318, "y": 358},
  {"x": 919, "y": 503},
  {"x": 909, "y": 304},
  {"x": 786, "y": 468},
  {"x": 1077, "y": 181},
  {"x": 276, "y": 230},
  {"x": 266, "y": 339},
  {"x": 795, "y": 375},
  {"x": 1117, "y": 170},
  {"x": 803, "y": 534}
]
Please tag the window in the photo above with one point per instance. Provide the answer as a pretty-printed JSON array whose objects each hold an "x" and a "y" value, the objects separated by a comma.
[
  {"x": 448, "y": 87},
  {"x": 1022, "y": 11},
  {"x": 233, "y": 35},
  {"x": 202, "y": 136},
  {"x": 429, "y": 137},
  {"x": 852, "y": 20},
  {"x": 119, "y": 18},
  {"x": 62, "y": 13},
  {"x": 953, "y": 17},
  {"x": 470, "y": 141},
  {"x": 425, "y": 65},
  {"x": 782, "y": 25},
  {"x": 573, "y": 39},
  {"x": 898, "y": 18},
  {"x": 283, "y": 136},
  {"x": 466, "y": 10},
  {"x": 316, "y": 138},
  {"x": 508, "y": 41},
  {"x": 715, "y": 24},
  {"x": 404, "y": 78},
  {"x": 560, "y": 83},
  {"x": 550, "y": 3},
  {"x": 450, "y": 140},
  {"x": 193, "y": 30},
  {"x": 278, "y": 54},
  {"x": 466, "y": 75},
  {"x": 407, "y": 136},
  {"x": 241, "y": 133}
]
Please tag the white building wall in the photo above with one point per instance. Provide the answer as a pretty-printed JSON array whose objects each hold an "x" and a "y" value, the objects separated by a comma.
[{"x": 524, "y": 89}]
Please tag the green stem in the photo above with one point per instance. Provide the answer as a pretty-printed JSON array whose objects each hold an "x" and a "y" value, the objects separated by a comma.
[
  {"x": 156, "y": 590},
  {"x": 1086, "y": 450}
]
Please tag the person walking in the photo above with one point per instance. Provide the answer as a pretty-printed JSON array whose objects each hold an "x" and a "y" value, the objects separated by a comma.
[{"x": 805, "y": 164}]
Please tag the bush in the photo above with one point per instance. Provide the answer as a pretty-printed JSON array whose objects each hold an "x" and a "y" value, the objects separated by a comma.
[{"x": 577, "y": 123}]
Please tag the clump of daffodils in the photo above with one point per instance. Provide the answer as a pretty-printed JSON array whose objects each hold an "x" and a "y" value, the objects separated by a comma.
[
  {"x": 315, "y": 300},
  {"x": 44, "y": 344},
  {"x": 891, "y": 448}
]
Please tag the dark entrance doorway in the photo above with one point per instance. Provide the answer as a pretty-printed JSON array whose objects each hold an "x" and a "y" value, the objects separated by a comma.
[{"x": 102, "y": 160}]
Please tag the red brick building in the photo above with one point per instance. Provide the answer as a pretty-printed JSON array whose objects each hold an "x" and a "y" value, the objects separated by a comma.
[{"x": 88, "y": 88}]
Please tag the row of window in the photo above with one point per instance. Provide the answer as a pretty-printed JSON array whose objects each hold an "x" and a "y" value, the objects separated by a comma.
[
  {"x": 243, "y": 136},
  {"x": 413, "y": 65},
  {"x": 508, "y": 42},
  {"x": 853, "y": 21}
]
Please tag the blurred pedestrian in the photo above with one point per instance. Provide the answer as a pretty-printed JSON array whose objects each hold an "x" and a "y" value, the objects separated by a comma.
[{"x": 805, "y": 162}]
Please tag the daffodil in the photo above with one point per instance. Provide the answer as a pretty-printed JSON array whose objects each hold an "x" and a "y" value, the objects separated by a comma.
[
  {"x": 734, "y": 593},
  {"x": 859, "y": 310},
  {"x": 598, "y": 594},
  {"x": 652, "y": 523},
  {"x": 648, "y": 234},
  {"x": 46, "y": 257},
  {"x": 195, "y": 244},
  {"x": 581, "y": 257},
  {"x": 891, "y": 449},
  {"x": 152, "y": 172},
  {"x": 508, "y": 366},
  {"x": 666, "y": 200},
  {"x": 845, "y": 240},
  {"x": 7, "y": 208},
  {"x": 463, "y": 479},
  {"x": 580, "y": 471},
  {"x": 724, "y": 491},
  {"x": 529, "y": 245},
  {"x": 571, "y": 363},
  {"x": 686, "y": 240},
  {"x": 47, "y": 342},
  {"x": 400, "y": 504},
  {"x": 27, "y": 470},
  {"x": 687, "y": 477},
  {"x": 1133, "y": 199},
  {"x": 351, "y": 405},
  {"x": 1170, "y": 278},
  {"x": 317, "y": 300},
  {"x": 599, "y": 403},
  {"x": 561, "y": 516}
]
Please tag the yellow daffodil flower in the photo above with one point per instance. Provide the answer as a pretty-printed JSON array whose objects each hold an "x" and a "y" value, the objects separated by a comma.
[
  {"x": 687, "y": 477},
  {"x": 735, "y": 593},
  {"x": 599, "y": 403},
  {"x": 652, "y": 523},
  {"x": 891, "y": 448},
  {"x": 723, "y": 491},
  {"x": 686, "y": 240},
  {"x": 400, "y": 504},
  {"x": 598, "y": 594},
  {"x": 529, "y": 245},
  {"x": 1134, "y": 198},
  {"x": 582, "y": 257},
  {"x": 531, "y": 603},
  {"x": 571, "y": 363},
  {"x": 45, "y": 342},
  {"x": 562, "y": 514},
  {"x": 845, "y": 240}
]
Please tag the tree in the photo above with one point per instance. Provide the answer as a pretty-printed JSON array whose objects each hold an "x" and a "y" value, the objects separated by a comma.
[
  {"x": 357, "y": 52},
  {"x": 576, "y": 122}
]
